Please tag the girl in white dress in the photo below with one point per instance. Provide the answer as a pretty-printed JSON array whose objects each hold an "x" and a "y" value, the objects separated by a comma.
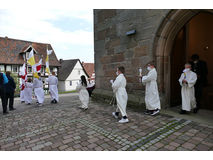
[
  {"x": 83, "y": 93},
  {"x": 28, "y": 91}
]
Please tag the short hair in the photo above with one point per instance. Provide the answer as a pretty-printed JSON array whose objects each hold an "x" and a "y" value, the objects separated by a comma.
[
  {"x": 39, "y": 74},
  {"x": 122, "y": 69},
  {"x": 195, "y": 57},
  {"x": 29, "y": 80},
  {"x": 188, "y": 64},
  {"x": 8, "y": 73},
  {"x": 152, "y": 63}
]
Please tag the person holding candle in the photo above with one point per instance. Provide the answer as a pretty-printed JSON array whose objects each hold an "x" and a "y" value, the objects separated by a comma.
[{"x": 152, "y": 99}]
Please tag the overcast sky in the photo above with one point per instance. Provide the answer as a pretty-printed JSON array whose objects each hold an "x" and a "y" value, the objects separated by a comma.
[
  {"x": 69, "y": 31},
  {"x": 67, "y": 24}
]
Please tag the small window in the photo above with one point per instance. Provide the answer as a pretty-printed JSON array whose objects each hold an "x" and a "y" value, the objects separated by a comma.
[
  {"x": 27, "y": 55},
  {"x": 79, "y": 72},
  {"x": 51, "y": 69},
  {"x": 15, "y": 68},
  {"x": 70, "y": 83},
  {"x": 2, "y": 68},
  {"x": 29, "y": 69}
]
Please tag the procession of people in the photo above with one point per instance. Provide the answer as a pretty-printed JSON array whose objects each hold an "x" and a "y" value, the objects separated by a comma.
[{"x": 192, "y": 80}]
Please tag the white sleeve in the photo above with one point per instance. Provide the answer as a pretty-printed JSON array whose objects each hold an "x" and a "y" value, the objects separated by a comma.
[
  {"x": 116, "y": 84},
  {"x": 181, "y": 79},
  {"x": 149, "y": 77},
  {"x": 192, "y": 80}
]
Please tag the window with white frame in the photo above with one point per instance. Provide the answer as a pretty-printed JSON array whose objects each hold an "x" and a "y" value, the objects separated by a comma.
[
  {"x": 2, "y": 68},
  {"x": 8, "y": 68},
  {"x": 70, "y": 83},
  {"x": 79, "y": 72},
  {"x": 55, "y": 69}
]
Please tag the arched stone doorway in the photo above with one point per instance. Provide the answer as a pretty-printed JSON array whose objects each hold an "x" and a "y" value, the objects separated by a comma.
[{"x": 163, "y": 44}]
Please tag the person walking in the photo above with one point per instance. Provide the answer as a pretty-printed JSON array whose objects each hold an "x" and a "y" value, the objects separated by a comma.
[
  {"x": 10, "y": 90},
  {"x": 3, "y": 81}
]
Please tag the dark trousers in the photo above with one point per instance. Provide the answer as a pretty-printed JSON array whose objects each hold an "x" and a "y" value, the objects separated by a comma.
[
  {"x": 198, "y": 93},
  {"x": 3, "y": 99},
  {"x": 10, "y": 96}
]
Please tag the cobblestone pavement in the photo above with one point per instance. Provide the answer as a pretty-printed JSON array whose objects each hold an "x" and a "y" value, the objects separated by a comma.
[{"x": 66, "y": 127}]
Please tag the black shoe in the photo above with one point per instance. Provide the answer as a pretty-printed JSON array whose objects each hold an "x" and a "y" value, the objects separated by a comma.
[
  {"x": 52, "y": 101},
  {"x": 5, "y": 113},
  {"x": 182, "y": 112},
  {"x": 147, "y": 112},
  {"x": 22, "y": 101},
  {"x": 195, "y": 110},
  {"x": 55, "y": 101},
  {"x": 12, "y": 109}
]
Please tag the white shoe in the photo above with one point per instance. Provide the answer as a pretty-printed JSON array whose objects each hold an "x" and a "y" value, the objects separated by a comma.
[
  {"x": 155, "y": 112},
  {"x": 114, "y": 115},
  {"x": 123, "y": 120}
]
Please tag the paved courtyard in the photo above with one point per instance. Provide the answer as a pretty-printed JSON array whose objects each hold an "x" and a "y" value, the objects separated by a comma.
[{"x": 66, "y": 127}]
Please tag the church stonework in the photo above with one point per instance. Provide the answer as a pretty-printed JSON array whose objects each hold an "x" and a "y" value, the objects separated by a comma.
[{"x": 155, "y": 31}]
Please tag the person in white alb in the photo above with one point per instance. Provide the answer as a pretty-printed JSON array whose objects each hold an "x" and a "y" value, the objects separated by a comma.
[
  {"x": 83, "y": 93},
  {"x": 152, "y": 99},
  {"x": 38, "y": 89},
  {"x": 28, "y": 91},
  {"x": 52, "y": 80},
  {"x": 187, "y": 82},
  {"x": 119, "y": 89}
]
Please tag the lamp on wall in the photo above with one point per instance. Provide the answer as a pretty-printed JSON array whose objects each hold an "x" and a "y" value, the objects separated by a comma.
[
  {"x": 206, "y": 48},
  {"x": 131, "y": 32}
]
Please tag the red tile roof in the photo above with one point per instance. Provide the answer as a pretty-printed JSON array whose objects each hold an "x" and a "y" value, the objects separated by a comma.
[
  {"x": 10, "y": 50},
  {"x": 89, "y": 67}
]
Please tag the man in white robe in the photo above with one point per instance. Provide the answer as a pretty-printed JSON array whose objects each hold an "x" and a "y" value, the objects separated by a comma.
[
  {"x": 152, "y": 99},
  {"x": 119, "y": 90},
  {"x": 187, "y": 82},
  {"x": 38, "y": 90},
  {"x": 28, "y": 92},
  {"x": 53, "y": 89}
]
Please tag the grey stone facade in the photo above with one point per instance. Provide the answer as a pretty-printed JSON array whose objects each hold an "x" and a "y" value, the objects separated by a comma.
[
  {"x": 155, "y": 33},
  {"x": 114, "y": 48}
]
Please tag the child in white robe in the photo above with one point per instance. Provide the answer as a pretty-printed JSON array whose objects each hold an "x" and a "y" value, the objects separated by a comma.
[
  {"x": 152, "y": 99},
  {"x": 187, "y": 82},
  {"x": 83, "y": 93},
  {"x": 38, "y": 90},
  {"x": 28, "y": 92},
  {"x": 119, "y": 90}
]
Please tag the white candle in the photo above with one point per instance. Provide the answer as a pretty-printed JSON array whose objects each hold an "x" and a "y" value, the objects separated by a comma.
[{"x": 140, "y": 73}]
